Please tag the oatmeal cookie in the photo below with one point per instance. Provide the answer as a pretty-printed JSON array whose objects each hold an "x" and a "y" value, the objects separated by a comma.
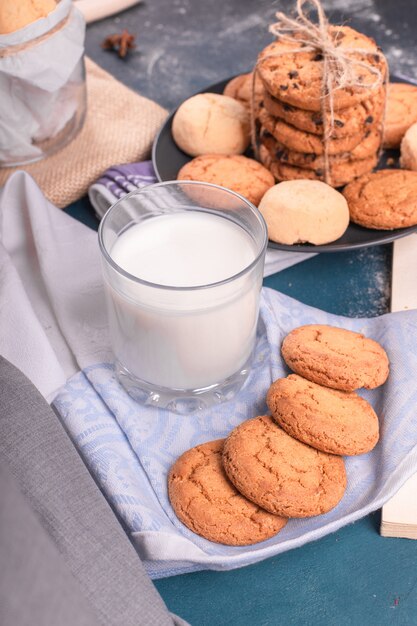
[
  {"x": 238, "y": 173},
  {"x": 384, "y": 200},
  {"x": 206, "y": 501},
  {"x": 401, "y": 112},
  {"x": 281, "y": 474},
  {"x": 338, "y": 422},
  {"x": 240, "y": 88},
  {"x": 335, "y": 357}
]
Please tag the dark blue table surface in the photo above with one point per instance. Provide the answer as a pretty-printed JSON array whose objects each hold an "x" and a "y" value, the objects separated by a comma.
[{"x": 352, "y": 577}]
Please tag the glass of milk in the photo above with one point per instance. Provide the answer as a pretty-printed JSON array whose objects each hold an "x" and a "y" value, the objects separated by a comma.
[{"x": 183, "y": 267}]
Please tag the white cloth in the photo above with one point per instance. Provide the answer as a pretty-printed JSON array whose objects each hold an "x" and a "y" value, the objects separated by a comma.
[{"x": 43, "y": 252}]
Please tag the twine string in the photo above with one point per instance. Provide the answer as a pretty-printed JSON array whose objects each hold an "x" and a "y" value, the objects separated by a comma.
[{"x": 340, "y": 64}]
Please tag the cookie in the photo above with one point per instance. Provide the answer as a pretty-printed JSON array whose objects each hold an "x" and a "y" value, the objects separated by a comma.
[
  {"x": 238, "y": 173},
  {"x": 408, "y": 159},
  {"x": 297, "y": 77},
  {"x": 300, "y": 141},
  {"x": 335, "y": 357},
  {"x": 401, "y": 112},
  {"x": 338, "y": 422},
  {"x": 241, "y": 87},
  {"x": 350, "y": 121},
  {"x": 300, "y": 211},
  {"x": 208, "y": 504},
  {"x": 383, "y": 200},
  {"x": 210, "y": 123},
  {"x": 367, "y": 148},
  {"x": 340, "y": 173},
  {"x": 281, "y": 474},
  {"x": 15, "y": 15}
]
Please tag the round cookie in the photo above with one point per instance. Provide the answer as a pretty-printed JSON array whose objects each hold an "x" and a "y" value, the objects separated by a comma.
[
  {"x": 364, "y": 150},
  {"x": 335, "y": 357},
  {"x": 297, "y": 77},
  {"x": 281, "y": 474},
  {"x": 300, "y": 211},
  {"x": 300, "y": 141},
  {"x": 349, "y": 121},
  {"x": 234, "y": 87},
  {"x": 341, "y": 173},
  {"x": 18, "y": 14},
  {"x": 401, "y": 112},
  {"x": 338, "y": 422},
  {"x": 384, "y": 199},
  {"x": 408, "y": 159},
  {"x": 208, "y": 504},
  {"x": 210, "y": 123},
  {"x": 241, "y": 86},
  {"x": 238, "y": 173}
]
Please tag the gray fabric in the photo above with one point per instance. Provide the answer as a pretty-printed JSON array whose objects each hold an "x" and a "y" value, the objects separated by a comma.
[
  {"x": 72, "y": 511},
  {"x": 36, "y": 587}
]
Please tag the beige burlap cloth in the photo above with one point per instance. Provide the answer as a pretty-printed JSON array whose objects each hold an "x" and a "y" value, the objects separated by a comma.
[{"x": 119, "y": 128}]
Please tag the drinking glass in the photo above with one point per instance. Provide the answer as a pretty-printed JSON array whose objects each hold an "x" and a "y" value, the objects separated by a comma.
[{"x": 182, "y": 266}]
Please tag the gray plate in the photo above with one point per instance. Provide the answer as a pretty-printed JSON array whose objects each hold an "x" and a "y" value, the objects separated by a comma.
[{"x": 168, "y": 159}]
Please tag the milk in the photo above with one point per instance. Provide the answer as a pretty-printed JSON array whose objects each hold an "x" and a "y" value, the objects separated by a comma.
[{"x": 179, "y": 326}]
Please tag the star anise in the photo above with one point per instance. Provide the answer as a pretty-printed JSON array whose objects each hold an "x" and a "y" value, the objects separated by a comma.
[{"x": 120, "y": 43}]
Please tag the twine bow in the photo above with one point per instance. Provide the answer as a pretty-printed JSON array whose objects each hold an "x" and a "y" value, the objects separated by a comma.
[{"x": 341, "y": 65}]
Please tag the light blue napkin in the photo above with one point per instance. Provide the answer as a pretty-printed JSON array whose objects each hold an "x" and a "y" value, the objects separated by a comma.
[{"x": 130, "y": 448}]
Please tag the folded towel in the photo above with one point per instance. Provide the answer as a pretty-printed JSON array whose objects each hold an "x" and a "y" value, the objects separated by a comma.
[
  {"x": 51, "y": 295},
  {"x": 120, "y": 180}
]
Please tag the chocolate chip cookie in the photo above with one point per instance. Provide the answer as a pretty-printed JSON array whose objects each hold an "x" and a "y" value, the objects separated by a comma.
[
  {"x": 296, "y": 77},
  {"x": 348, "y": 121},
  {"x": 300, "y": 141},
  {"x": 364, "y": 150},
  {"x": 341, "y": 173}
]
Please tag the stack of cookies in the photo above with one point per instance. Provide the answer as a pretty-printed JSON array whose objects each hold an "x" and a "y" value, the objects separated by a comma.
[
  {"x": 290, "y": 118},
  {"x": 242, "y": 489}
]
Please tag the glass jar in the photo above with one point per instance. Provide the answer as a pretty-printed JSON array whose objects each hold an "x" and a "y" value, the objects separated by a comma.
[{"x": 42, "y": 82}]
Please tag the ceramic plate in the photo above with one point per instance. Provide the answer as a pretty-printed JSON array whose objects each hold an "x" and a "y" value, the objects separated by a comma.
[{"x": 168, "y": 159}]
